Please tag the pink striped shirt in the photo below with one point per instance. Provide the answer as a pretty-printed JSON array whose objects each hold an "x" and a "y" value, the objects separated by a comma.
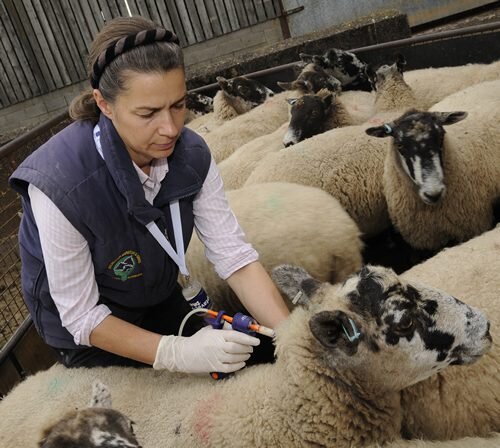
[{"x": 68, "y": 260}]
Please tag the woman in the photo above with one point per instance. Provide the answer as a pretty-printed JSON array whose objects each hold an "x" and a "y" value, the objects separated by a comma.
[{"x": 99, "y": 285}]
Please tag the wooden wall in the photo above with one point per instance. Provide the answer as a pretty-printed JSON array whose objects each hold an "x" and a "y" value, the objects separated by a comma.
[{"x": 44, "y": 43}]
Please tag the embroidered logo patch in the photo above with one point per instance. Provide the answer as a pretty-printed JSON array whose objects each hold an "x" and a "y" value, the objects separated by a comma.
[{"x": 126, "y": 265}]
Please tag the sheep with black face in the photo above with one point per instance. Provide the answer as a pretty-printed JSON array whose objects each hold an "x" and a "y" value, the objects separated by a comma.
[{"x": 442, "y": 187}]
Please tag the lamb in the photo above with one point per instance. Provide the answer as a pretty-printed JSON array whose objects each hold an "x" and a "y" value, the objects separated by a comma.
[
  {"x": 235, "y": 97},
  {"x": 345, "y": 66},
  {"x": 285, "y": 223},
  {"x": 343, "y": 162},
  {"x": 431, "y": 85},
  {"x": 461, "y": 402},
  {"x": 341, "y": 364},
  {"x": 423, "y": 163},
  {"x": 263, "y": 119},
  {"x": 97, "y": 426}
]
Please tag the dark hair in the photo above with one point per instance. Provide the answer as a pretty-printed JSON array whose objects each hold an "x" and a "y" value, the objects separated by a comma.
[{"x": 158, "y": 56}]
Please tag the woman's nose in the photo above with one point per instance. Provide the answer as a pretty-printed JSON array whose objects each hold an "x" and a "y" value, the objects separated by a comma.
[{"x": 167, "y": 125}]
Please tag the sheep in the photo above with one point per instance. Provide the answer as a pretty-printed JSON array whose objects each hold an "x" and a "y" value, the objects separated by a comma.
[
  {"x": 97, "y": 426},
  {"x": 285, "y": 223},
  {"x": 311, "y": 80},
  {"x": 442, "y": 188},
  {"x": 238, "y": 166},
  {"x": 466, "y": 442},
  {"x": 197, "y": 105},
  {"x": 343, "y": 162},
  {"x": 431, "y": 85},
  {"x": 341, "y": 364},
  {"x": 261, "y": 120},
  {"x": 461, "y": 402},
  {"x": 345, "y": 66},
  {"x": 235, "y": 97}
]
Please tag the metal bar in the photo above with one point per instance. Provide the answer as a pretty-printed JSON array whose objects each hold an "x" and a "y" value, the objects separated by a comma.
[
  {"x": 493, "y": 26},
  {"x": 10, "y": 147},
  {"x": 8, "y": 348}
]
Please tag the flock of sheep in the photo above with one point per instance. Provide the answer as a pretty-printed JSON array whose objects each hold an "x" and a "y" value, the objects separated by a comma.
[{"x": 368, "y": 357}]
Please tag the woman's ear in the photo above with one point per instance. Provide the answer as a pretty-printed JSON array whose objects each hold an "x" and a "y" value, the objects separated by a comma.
[{"x": 102, "y": 104}]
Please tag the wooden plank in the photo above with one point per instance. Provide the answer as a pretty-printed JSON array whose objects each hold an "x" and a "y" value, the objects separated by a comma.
[
  {"x": 277, "y": 8},
  {"x": 152, "y": 12},
  {"x": 14, "y": 89},
  {"x": 213, "y": 17},
  {"x": 204, "y": 19},
  {"x": 66, "y": 25},
  {"x": 231, "y": 14},
  {"x": 81, "y": 23},
  {"x": 241, "y": 13},
  {"x": 252, "y": 16},
  {"x": 192, "y": 13},
  {"x": 185, "y": 21},
  {"x": 269, "y": 9},
  {"x": 6, "y": 95},
  {"x": 89, "y": 17},
  {"x": 170, "y": 19},
  {"x": 75, "y": 31},
  {"x": 33, "y": 39},
  {"x": 25, "y": 44},
  {"x": 105, "y": 10},
  {"x": 259, "y": 9},
  {"x": 113, "y": 7},
  {"x": 57, "y": 46},
  {"x": 122, "y": 7},
  {"x": 16, "y": 58},
  {"x": 134, "y": 9},
  {"x": 223, "y": 18},
  {"x": 93, "y": 9}
]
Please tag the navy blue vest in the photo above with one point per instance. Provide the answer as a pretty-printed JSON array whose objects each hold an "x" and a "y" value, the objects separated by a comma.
[{"x": 104, "y": 200}]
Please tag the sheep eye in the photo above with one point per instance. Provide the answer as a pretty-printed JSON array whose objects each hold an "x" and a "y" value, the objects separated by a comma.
[{"x": 404, "y": 325}]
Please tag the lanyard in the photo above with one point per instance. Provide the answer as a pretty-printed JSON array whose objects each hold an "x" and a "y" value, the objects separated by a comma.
[{"x": 177, "y": 256}]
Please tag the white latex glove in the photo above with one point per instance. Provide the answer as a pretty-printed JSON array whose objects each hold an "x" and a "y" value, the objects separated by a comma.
[{"x": 208, "y": 350}]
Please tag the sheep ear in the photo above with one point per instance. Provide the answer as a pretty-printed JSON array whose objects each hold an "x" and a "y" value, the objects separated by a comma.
[
  {"x": 101, "y": 396},
  {"x": 318, "y": 60},
  {"x": 295, "y": 283},
  {"x": 285, "y": 85},
  {"x": 380, "y": 131},
  {"x": 328, "y": 100},
  {"x": 446, "y": 118},
  {"x": 222, "y": 82},
  {"x": 400, "y": 62},
  {"x": 335, "y": 329}
]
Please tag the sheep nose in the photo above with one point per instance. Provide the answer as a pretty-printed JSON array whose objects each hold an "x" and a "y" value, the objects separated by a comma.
[
  {"x": 487, "y": 335},
  {"x": 289, "y": 143},
  {"x": 432, "y": 197}
]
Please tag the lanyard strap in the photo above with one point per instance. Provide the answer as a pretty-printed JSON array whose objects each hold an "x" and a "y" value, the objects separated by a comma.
[{"x": 178, "y": 257}]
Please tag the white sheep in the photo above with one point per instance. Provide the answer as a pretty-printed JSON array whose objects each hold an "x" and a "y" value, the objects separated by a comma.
[
  {"x": 467, "y": 442},
  {"x": 97, "y": 426},
  {"x": 442, "y": 187},
  {"x": 431, "y": 85},
  {"x": 238, "y": 166},
  {"x": 285, "y": 223},
  {"x": 261, "y": 120},
  {"x": 345, "y": 163},
  {"x": 341, "y": 364},
  {"x": 461, "y": 402}
]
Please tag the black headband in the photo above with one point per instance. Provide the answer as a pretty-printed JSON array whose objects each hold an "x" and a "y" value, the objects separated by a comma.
[{"x": 124, "y": 44}]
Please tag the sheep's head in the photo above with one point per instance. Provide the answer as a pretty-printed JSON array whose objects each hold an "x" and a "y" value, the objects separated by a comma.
[
  {"x": 309, "y": 116},
  {"x": 386, "y": 72},
  {"x": 198, "y": 103},
  {"x": 418, "y": 139},
  {"x": 312, "y": 80},
  {"x": 376, "y": 332},
  {"x": 97, "y": 426},
  {"x": 247, "y": 89}
]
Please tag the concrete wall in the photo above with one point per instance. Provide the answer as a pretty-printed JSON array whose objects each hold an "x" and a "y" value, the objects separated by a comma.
[{"x": 318, "y": 14}]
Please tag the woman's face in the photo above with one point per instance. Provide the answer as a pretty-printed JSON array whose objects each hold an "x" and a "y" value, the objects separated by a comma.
[{"x": 148, "y": 114}]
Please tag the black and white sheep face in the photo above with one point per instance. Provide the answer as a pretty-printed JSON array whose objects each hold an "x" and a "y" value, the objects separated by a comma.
[
  {"x": 97, "y": 426},
  {"x": 247, "y": 89},
  {"x": 309, "y": 115},
  {"x": 381, "y": 333},
  {"x": 312, "y": 81},
  {"x": 199, "y": 104},
  {"x": 418, "y": 139},
  {"x": 343, "y": 65}
]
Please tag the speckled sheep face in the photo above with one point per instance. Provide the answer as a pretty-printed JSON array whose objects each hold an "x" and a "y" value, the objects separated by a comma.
[
  {"x": 384, "y": 334},
  {"x": 309, "y": 115},
  {"x": 198, "y": 103},
  {"x": 247, "y": 89},
  {"x": 418, "y": 139}
]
